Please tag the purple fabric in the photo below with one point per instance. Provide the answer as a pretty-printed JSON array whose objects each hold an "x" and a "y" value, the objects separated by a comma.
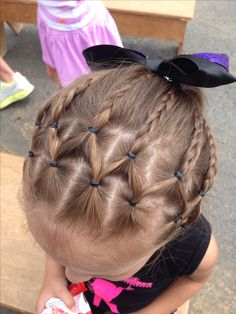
[
  {"x": 62, "y": 50},
  {"x": 218, "y": 58}
]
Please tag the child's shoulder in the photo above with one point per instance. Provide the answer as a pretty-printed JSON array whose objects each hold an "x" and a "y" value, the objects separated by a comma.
[
  {"x": 186, "y": 255},
  {"x": 208, "y": 262},
  {"x": 190, "y": 247}
]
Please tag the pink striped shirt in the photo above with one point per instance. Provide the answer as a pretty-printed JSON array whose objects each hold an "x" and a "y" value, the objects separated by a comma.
[{"x": 69, "y": 15}]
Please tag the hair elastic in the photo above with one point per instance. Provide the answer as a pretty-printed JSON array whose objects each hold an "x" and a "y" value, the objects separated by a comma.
[
  {"x": 178, "y": 219},
  {"x": 202, "y": 193},
  {"x": 92, "y": 129},
  {"x": 31, "y": 154},
  {"x": 167, "y": 78},
  {"x": 133, "y": 203},
  {"x": 131, "y": 155},
  {"x": 53, "y": 125},
  {"x": 179, "y": 175},
  {"x": 94, "y": 183},
  {"x": 54, "y": 164}
]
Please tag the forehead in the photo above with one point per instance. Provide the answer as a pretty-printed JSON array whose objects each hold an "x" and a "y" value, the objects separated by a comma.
[
  {"x": 103, "y": 264},
  {"x": 88, "y": 253},
  {"x": 69, "y": 246}
]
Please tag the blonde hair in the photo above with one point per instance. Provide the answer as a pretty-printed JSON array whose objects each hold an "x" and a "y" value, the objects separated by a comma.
[{"x": 117, "y": 152}]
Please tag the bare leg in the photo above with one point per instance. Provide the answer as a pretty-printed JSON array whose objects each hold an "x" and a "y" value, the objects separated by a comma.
[
  {"x": 14, "y": 86},
  {"x": 52, "y": 74},
  {"x": 6, "y": 73}
]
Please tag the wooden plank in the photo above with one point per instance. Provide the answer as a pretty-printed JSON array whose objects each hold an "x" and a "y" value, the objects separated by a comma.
[
  {"x": 182, "y": 9},
  {"x": 22, "y": 261},
  {"x": 19, "y": 11},
  {"x": 16, "y": 27},
  {"x": 150, "y": 27},
  {"x": 19, "y": 1}
]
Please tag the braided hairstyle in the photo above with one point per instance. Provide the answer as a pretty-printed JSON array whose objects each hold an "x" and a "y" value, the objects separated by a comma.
[{"x": 119, "y": 152}]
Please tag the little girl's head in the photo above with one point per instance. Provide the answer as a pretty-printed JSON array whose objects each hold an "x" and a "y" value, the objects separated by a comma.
[{"x": 119, "y": 161}]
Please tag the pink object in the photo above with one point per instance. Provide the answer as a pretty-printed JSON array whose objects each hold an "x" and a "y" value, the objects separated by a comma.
[
  {"x": 106, "y": 291},
  {"x": 62, "y": 50},
  {"x": 56, "y": 306}
]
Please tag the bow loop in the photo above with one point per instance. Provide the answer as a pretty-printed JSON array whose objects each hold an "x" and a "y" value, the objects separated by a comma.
[
  {"x": 219, "y": 58},
  {"x": 109, "y": 56}
]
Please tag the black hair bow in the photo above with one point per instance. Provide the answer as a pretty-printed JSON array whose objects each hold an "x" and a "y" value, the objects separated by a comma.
[{"x": 203, "y": 69}]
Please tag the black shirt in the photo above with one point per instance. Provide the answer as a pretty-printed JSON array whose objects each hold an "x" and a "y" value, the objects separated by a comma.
[{"x": 179, "y": 257}]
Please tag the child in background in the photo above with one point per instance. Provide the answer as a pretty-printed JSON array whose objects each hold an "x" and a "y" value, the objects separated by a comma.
[
  {"x": 13, "y": 85},
  {"x": 120, "y": 161},
  {"x": 66, "y": 28}
]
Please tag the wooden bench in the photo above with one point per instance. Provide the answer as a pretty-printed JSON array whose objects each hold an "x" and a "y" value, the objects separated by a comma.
[
  {"x": 159, "y": 19},
  {"x": 22, "y": 261}
]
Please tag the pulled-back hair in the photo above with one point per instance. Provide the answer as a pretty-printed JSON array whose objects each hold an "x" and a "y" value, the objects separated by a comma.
[{"x": 117, "y": 152}]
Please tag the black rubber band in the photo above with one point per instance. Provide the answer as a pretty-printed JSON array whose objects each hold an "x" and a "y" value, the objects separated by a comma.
[
  {"x": 54, "y": 164},
  {"x": 133, "y": 203},
  {"x": 53, "y": 125},
  {"x": 92, "y": 129},
  {"x": 179, "y": 175},
  {"x": 178, "y": 219},
  {"x": 31, "y": 154},
  {"x": 202, "y": 193},
  {"x": 131, "y": 155},
  {"x": 94, "y": 183}
]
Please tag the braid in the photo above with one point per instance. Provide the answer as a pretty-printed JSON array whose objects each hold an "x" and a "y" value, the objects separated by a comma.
[
  {"x": 192, "y": 207},
  {"x": 194, "y": 150},
  {"x": 191, "y": 157},
  {"x": 134, "y": 177},
  {"x": 152, "y": 123},
  {"x": 65, "y": 98},
  {"x": 62, "y": 102},
  {"x": 212, "y": 165},
  {"x": 99, "y": 122}
]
